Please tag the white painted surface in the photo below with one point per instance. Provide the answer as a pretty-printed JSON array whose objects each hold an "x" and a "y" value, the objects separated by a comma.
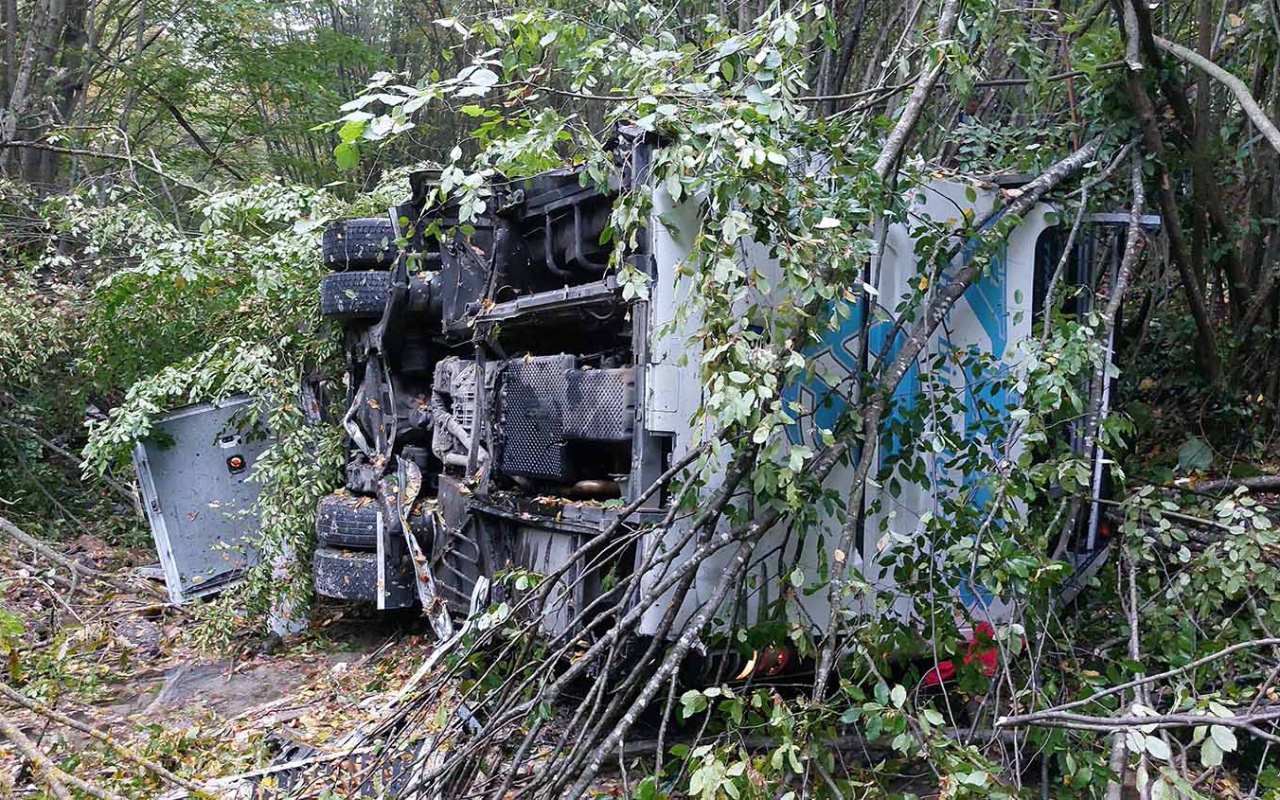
[{"x": 976, "y": 321}]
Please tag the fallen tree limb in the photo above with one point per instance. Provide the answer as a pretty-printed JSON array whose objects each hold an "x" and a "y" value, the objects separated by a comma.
[
  {"x": 102, "y": 736},
  {"x": 1136, "y": 682},
  {"x": 1237, "y": 87},
  {"x": 1258, "y": 483},
  {"x": 1069, "y": 247},
  {"x": 49, "y": 554},
  {"x": 231, "y": 780},
  {"x": 897, "y": 138},
  {"x": 1087, "y": 722},
  {"x": 48, "y": 772},
  {"x": 88, "y": 788},
  {"x": 46, "y": 572},
  {"x": 1097, "y": 414},
  {"x": 889, "y": 376},
  {"x": 670, "y": 662},
  {"x": 845, "y": 742}
]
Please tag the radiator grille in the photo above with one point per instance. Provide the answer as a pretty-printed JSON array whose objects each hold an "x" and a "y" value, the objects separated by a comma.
[
  {"x": 601, "y": 405},
  {"x": 532, "y": 419},
  {"x": 546, "y": 402}
]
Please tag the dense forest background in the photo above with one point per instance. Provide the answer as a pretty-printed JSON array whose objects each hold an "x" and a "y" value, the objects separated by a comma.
[
  {"x": 167, "y": 166},
  {"x": 122, "y": 120}
]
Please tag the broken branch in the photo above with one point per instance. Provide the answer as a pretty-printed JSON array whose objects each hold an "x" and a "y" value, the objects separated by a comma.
[
  {"x": 919, "y": 96},
  {"x": 1136, "y": 682},
  {"x": 48, "y": 772},
  {"x": 1252, "y": 110},
  {"x": 102, "y": 736},
  {"x": 16, "y": 533}
]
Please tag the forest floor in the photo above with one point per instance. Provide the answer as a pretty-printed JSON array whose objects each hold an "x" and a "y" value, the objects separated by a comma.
[
  {"x": 129, "y": 663},
  {"x": 134, "y": 666}
]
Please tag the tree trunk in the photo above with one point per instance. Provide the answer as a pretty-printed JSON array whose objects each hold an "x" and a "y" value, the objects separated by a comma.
[
  {"x": 19, "y": 94},
  {"x": 836, "y": 84},
  {"x": 10, "y": 46},
  {"x": 1207, "y": 342}
]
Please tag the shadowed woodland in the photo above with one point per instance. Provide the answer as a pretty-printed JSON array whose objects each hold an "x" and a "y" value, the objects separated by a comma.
[{"x": 168, "y": 169}]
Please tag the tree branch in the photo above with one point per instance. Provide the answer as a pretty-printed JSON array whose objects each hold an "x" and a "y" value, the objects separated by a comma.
[
  {"x": 16, "y": 533},
  {"x": 930, "y": 317},
  {"x": 1207, "y": 345},
  {"x": 75, "y": 151},
  {"x": 1252, "y": 110},
  {"x": 1136, "y": 682},
  {"x": 102, "y": 736},
  {"x": 1093, "y": 421},
  {"x": 1086, "y": 722},
  {"x": 46, "y": 769},
  {"x": 897, "y": 140}
]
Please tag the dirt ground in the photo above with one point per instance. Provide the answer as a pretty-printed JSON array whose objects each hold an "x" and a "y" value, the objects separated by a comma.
[{"x": 132, "y": 665}]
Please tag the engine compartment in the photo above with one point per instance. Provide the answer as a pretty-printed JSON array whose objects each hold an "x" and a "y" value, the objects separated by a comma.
[{"x": 503, "y": 369}]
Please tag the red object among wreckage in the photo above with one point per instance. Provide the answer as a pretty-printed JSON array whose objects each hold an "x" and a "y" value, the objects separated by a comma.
[{"x": 981, "y": 646}]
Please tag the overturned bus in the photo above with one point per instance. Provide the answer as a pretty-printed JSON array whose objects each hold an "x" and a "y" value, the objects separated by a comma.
[{"x": 506, "y": 400}]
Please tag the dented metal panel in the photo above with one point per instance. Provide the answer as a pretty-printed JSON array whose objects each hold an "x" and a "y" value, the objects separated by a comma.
[{"x": 195, "y": 475}]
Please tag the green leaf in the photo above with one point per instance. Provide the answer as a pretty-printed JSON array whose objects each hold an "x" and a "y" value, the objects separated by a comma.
[
  {"x": 978, "y": 778},
  {"x": 1195, "y": 455},
  {"x": 1223, "y": 737},
  {"x": 691, "y": 703},
  {"x": 1157, "y": 748},
  {"x": 882, "y": 693},
  {"x": 1210, "y": 754},
  {"x": 648, "y": 788},
  {"x": 483, "y": 77},
  {"x": 898, "y": 695},
  {"x": 347, "y": 154},
  {"x": 351, "y": 131}
]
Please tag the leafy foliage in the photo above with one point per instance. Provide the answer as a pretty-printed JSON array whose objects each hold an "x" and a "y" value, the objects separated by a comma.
[
  {"x": 188, "y": 274},
  {"x": 242, "y": 291}
]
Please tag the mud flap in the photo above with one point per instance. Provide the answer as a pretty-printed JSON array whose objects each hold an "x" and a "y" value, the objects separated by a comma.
[{"x": 397, "y": 502}]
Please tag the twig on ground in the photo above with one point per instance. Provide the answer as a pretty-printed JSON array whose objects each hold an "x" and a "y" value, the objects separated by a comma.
[
  {"x": 102, "y": 736},
  {"x": 19, "y": 535},
  {"x": 231, "y": 780},
  {"x": 48, "y": 772},
  {"x": 49, "y": 574}
]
